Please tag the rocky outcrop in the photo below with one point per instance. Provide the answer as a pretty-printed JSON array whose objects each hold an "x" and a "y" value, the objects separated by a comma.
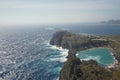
[
  {"x": 57, "y": 38},
  {"x": 72, "y": 41},
  {"x": 69, "y": 70},
  {"x": 73, "y": 68}
]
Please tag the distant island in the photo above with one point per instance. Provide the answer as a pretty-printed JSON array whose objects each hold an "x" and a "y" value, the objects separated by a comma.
[
  {"x": 111, "y": 22},
  {"x": 74, "y": 68}
]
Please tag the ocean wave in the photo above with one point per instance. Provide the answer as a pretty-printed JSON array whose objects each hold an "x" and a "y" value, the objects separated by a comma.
[
  {"x": 57, "y": 78},
  {"x": 62, "y": 56},
  {"x": 62, "y": 59},
  {"x": 96, "y": 58}
]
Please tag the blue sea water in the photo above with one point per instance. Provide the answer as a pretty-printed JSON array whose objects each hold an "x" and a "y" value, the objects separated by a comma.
[
  {"x": 102, "y": 55},
  {"x": 25, "y": 53}
]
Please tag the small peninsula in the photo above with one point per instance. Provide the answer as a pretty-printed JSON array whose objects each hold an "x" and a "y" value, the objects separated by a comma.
[{"x": 74, "y": 68}]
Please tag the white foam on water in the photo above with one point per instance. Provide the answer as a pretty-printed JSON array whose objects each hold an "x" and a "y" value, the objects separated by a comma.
[
  {"x": 62, "y": 56},
  {"x": 115, "y": 62},
  {"x": 77, "y": 54},
  {"x": 96, "y": 58},
  {"x": 57, "y": 78},
  {"x": 54, "y": 59},
  {"x": 1, "y": 72},
  {"x": 63, "y": 53}
]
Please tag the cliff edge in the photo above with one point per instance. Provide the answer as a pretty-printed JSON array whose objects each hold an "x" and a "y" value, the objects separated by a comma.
[
  {"x": 69, "y": 40},
  {"x": 74, "y": 68}
]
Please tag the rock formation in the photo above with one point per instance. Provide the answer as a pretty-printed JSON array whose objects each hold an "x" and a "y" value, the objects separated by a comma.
[{"x": 74, "y": 68}]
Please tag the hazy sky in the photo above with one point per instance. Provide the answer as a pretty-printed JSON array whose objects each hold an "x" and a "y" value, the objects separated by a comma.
[{"x": 57, "y": 11}]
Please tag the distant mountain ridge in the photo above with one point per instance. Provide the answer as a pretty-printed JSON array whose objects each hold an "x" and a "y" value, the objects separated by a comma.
[{"x": 111, "y": 21}]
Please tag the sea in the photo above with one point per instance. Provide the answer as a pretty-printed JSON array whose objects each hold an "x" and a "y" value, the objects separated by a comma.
[
  {"x": 101, "y": 55},
  {"x": 25, "y": 52}
]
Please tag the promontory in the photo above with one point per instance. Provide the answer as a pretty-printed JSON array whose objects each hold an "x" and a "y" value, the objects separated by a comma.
[{"x": 74, "y": 68}]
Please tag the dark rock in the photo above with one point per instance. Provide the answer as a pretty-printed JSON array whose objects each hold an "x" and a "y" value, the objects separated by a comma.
[
  {"x": 69, "y": 69},
  {"x": 58, "y": 38},
  {"x": 73, "y": 68},
  {"x": 71, "y": 54},
  {"x": 72, "y": 41}
]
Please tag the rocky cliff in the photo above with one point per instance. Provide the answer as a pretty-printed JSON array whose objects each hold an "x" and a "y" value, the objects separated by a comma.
[
  {"x": 79, "y": 42},
  {"x": 73, "y": 68}
]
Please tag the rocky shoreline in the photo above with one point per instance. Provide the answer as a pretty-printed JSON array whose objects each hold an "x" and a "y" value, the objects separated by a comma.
[{"x": 73, "y": 68}]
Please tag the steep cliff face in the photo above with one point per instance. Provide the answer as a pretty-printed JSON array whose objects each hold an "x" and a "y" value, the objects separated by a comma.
[
  {"x": 73, "y": 68},
  {"x": 70, "y": 70},
  {"x": 69, "y": 40},
  {"x": 58, "y": 37}
]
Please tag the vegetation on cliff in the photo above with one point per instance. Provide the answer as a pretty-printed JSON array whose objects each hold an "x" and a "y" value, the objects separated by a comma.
[
  {"x": 74, "y": 69},
  {"x": 79, "y": 42}
]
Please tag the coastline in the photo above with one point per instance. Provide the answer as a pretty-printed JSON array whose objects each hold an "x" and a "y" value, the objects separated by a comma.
[
  {"x": 74, "y": 66},
  {"x": 63, "y": 52},
  {"x": 111, "y": 53},
  {"x": 103, "y": 42}
]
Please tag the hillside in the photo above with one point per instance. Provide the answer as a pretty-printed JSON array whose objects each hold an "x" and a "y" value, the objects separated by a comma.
[{"x": 74, "y": 68}]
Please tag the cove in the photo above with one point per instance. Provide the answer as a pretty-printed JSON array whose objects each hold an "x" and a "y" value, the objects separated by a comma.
[{"x": 102, "y": 56}]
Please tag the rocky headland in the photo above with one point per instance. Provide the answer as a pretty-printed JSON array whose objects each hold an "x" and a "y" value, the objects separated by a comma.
[{"x": 74, "y": 68}]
